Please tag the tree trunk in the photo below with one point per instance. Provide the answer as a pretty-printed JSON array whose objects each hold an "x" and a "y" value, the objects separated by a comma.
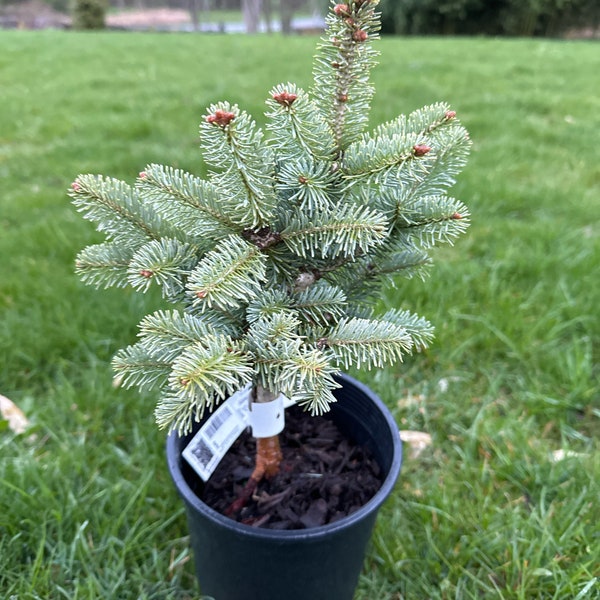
[
  {"x": 268, "y": 450},
  {"x": 286, "y": 11},
  {"x": 267, "y": 461},
  {"x": 251, "y": 12},
  {"x": 193, "y": 8},
  {"x": 267, "y": 13}
]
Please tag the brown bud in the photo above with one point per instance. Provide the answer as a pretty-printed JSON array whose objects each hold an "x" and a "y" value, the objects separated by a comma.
[
  {"x": 75, "y": 186},
  {"x": 143, "y": 175},
  {"x": 201, "y": 294},
  {"x": 146, "y": 273},
  {"x": 350, "y": 22},
  {"x": 184, "y": 381},
  {"x": 343, "y": 97},
  {"x": 285, "y": 98},
  {"x": 341, "y": 10},
  {"x": 450, "y": 114},
  {"x": 360, "y": 35},
  {"x": 303, "y": 180},
  {"x": 322, "y": 343},
  {"x": 456, "y": 216},
  {"x": 421, "y": 149},
  {"x": 221, "y": 118}
]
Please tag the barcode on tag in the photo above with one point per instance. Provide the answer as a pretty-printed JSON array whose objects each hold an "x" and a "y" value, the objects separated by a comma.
[
  {"x": 216, "y": 436},
  {"x": 217, "y": 423}
]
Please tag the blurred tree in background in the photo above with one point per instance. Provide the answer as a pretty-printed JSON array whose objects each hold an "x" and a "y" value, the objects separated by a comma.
[{"x": 488, "y": 17}]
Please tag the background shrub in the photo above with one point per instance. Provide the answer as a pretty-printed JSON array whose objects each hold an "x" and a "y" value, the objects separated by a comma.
[{"x": 89, "y": 14}]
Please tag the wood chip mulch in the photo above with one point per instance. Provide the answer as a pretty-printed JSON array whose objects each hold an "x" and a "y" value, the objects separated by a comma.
[{"x": 324, "y": 477}]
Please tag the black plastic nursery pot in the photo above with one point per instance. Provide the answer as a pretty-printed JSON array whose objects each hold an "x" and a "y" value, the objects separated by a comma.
[{"x": 235, "y": 561}]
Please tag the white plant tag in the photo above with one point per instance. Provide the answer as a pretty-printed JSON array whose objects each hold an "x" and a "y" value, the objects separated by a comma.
[
  {"x": 212, "y": 441},
  {"x": 216, "y": 436}
]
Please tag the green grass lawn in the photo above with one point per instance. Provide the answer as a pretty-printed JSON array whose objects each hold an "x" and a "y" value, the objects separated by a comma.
[{"x": 86, "y": 507}]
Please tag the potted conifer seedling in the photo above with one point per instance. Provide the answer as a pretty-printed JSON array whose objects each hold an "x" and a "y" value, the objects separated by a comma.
[{"x": 272, "y": 266}]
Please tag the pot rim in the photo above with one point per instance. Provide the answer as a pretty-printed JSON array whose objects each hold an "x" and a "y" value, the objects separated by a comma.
[{"x": 174, "y": 458}]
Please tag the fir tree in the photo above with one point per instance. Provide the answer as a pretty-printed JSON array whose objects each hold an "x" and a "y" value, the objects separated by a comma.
[{"x": 273, "y": 262}]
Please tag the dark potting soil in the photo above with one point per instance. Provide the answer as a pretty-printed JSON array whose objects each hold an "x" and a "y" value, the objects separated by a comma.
[{"x": 324, "y": 476}]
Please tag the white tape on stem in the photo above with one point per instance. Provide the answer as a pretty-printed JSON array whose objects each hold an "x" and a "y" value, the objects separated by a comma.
[{"x": 267, "y": 418}]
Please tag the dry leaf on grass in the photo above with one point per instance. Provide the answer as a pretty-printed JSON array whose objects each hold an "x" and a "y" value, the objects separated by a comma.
[
  {"x": 411, "y": 400},
  {"x": 416, "y": 441},
  {"x": 17, "y": 421},
  {"x": 561, "y": 454}
]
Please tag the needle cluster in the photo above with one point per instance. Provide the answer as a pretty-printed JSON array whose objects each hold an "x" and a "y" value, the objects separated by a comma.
[{"x": 271, "y": 264}]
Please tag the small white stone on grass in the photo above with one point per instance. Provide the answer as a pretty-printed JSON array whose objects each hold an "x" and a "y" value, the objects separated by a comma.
[{"x": 417, "y": 441}]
